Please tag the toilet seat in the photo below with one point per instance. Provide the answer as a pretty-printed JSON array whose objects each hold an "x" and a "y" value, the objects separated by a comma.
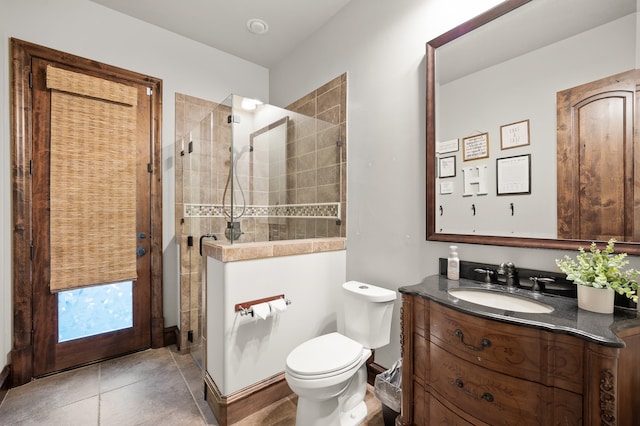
[{"x": 324, "y": 356}]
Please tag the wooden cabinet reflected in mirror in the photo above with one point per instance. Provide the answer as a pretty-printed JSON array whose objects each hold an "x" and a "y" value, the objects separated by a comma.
[{"x": 597, "y": 160}]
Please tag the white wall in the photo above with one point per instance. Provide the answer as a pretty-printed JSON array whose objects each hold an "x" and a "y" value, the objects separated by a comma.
[
  {"x": 243, "y": 350},
  {"x": 86, "y": 29},
  {"x": 381, "y": 45}
]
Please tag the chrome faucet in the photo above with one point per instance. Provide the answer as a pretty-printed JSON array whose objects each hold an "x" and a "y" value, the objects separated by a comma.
[
  {"x": 539, "y": 283},
  {"x": 490, "y": 274},
  {"x": 509, "y": 270}
]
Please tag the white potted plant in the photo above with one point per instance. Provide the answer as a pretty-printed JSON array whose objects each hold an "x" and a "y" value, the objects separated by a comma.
[{"x": 598, "y": 274}]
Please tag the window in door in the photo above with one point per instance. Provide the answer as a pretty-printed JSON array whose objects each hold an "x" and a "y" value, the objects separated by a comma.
[{"x": 94, "y": 310}]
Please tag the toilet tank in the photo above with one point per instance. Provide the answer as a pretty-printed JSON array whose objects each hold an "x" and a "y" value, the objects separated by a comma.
[{"x": 367, "y": 313}]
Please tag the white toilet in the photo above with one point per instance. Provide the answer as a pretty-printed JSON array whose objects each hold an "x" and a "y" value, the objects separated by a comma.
[{"x": 328, "y": 373}]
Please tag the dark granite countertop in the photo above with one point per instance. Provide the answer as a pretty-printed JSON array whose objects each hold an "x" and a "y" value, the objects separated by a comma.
[{"x": 565, "y": 318}]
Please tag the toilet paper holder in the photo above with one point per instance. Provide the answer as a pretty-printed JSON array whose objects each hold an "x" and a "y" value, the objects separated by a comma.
[{"x": 245, "y": 308}]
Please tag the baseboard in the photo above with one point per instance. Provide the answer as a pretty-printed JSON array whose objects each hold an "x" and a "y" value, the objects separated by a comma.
[
  {"x": 5, "y": 381},
  {"x": 229, "y": 409},
  {"x": 171, "y": 335}
]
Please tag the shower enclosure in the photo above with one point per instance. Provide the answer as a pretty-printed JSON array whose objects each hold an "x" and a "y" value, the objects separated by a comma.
[
  {"x": 253, "y": 172},
  {"x": 257, "y": 172}
]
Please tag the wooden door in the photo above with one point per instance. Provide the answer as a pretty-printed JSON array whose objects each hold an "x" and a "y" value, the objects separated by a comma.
[
  {"x": 39, "y": 348},
  {"x": 51, "y": 351},
  {"x": 597, "y": 160}
]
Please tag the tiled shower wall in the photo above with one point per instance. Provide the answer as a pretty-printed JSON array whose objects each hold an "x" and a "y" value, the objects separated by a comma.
[{"x": 314, "y": 175}]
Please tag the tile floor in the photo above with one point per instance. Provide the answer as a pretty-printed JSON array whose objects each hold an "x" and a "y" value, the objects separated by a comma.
[{"x": 154, "y": 387}]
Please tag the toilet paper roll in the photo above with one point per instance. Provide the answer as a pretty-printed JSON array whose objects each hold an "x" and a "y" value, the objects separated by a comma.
[
  {"x": 277, "y": 305},
  {"x": 261, "y": 310}
]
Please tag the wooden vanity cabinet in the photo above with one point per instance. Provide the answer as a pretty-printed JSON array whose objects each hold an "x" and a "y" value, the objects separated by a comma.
[{"x": 461, "y": 369}]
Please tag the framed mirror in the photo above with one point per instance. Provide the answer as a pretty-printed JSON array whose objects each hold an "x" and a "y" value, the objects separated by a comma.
[{"x": 545, "y": 47}]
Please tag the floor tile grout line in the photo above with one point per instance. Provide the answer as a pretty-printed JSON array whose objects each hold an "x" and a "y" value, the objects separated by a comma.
[{"x": 184, "y": 379}]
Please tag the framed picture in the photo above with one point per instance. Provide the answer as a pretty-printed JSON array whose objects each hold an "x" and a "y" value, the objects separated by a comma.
[
  {"x": 513, "y": 175},
  {"x": 443, "y": 147},
  {"x": 447, "y": 167},
  {"x": 475, "y": 147},
  {"x": 514, "y": 135},
  {"x": 446, "y": 187}
]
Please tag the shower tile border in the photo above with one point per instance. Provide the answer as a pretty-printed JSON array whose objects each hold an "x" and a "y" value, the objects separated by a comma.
[
  {"x": 226, "y": 252},
  {"x": 309, "y": 211}
]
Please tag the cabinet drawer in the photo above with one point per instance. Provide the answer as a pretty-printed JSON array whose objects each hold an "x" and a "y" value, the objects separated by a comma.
[
  {"x": 502, "y": 347},
  {"x": 497, "y": 398},
  {"x": 441, "y": 415}
]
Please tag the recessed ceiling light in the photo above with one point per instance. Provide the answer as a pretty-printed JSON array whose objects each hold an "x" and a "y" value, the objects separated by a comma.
[{"x": 257, "y": 26}]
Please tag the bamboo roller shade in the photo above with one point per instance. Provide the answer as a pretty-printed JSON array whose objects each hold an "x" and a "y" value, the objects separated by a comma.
[{"x": 92, "y": 180}]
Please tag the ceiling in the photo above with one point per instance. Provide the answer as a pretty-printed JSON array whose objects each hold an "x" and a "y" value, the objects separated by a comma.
[{"x": 223, "y": 24}]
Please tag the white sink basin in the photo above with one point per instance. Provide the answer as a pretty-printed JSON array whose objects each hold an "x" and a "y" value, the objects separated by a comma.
[{"x": 504, "y": 301}]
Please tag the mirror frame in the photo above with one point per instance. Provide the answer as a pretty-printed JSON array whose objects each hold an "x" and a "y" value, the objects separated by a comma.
[{"x": 544, "y": 243}]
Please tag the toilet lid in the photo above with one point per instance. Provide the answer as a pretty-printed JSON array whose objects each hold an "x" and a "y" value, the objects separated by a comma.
[{"x": 324, "y": 354}]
